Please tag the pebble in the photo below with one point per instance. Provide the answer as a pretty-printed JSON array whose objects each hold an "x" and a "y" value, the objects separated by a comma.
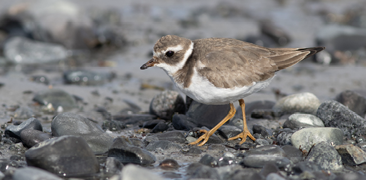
[
  {"x": 71, "y": 156},
  {"x": 23, "y": 112},
  {"x": 40, "y": 79},
  {"x": 174, "y": 136},
  {"x": 113, "y": 166},
  {"x": 169, "y": 164},
  {"x": 86, "y": 77},
  {"x": 134, "y": 172},
  {"x": 284, "y": 137},
  {"x": 268, "y": 169},
  {"x": 297, "y": 121},
  {"x": 164, "y": 145},
  {"x": 160, "y": 127},
  {"x": 32, "y": 173},
  {"x": 262, "y": 130},
  {"x": 263, "y": 155},
  {"x": 350, "y": 176},
  {"x": 31, "y": 137},
  {"x": 183, "y": 122},
  {"x": 305, "y": 138},
  {"x": 15, "y": 131},
  {"x": 325, "y": 156},
  {"x": 69, "y": 123},
  {"x": 20, "y": 50},
  {"x": 57, "y": 98},
  {"x": 334, "y": 114},
  {"x": 209, "y": 160},
  {"x": 274, "y": 176},
  {"x": 293, "y": 153},
  {"x": 228, "y": 131},
  {"x": 306, "y": 103},
  {"x": 166, "y": 104},
  {"x": 353, "y": 101},
  {"x": 205, "y": 172},
  {"x": 123, "y": 150},
  {"x": 351, "y": 155}
]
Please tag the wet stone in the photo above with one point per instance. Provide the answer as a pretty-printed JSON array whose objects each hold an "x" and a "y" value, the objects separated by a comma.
[
  {"x": 293, "y": 153},
  {"x": 126, "y": 153},
  {"x": 205, "y": 172},
  {"x": 334, "y": 114},
  {"x": 152, "y": 123},
  {"x": 86, "y": 77},
  {"x": 57, "y": 98},
  {"x": 174, "y": 136},
  {"x": 33, "y": 173},
  {"x": 296, "y": 121},
  {"x": 305, "y": 138},
  {"x": 258, "y": 157},
  {"x": 350, "y": 176},
  {"x": 160, "y": 127},
  {"x": 302, "y": 102},
  {"x": 274, "y": 176},
  {"x": 15, "y": 131},
  {"x": 182, "y": 122},
  {"x": 209, "y": 160},
  {"x": 326, "y": 156},
  {"x": 167, "y": 103},
  {"x": 207, "y": 115},
  {"x": 351, "y": 155},
  {"x": 284, "y": 137},
  {"x": 268, "y": 169},
  {"x": 31, "y": 137},
  {"x": 305, "y": 166},
  {"x": 133, "y": 172},
  {"x": 169, "y": 164},
  {"x": 40, "y": 79},
  {"x": 72, "y": 156},
  {"x": 262, "y": 130},
  {"x": 23, "y": 112},
  {"x": 353, "y": 101},
  {"x": 113, "y": 166},
  {"x": 72, "y": 124},
  {"x": 228, "y": 131},
  {"x": 163, "y": 144}
]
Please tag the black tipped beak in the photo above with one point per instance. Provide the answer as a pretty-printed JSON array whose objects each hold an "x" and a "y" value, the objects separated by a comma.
[{"x": 148, "y": 64}]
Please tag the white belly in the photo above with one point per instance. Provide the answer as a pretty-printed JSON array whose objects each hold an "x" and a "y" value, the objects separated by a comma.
[{"x": 205, "y": 92}]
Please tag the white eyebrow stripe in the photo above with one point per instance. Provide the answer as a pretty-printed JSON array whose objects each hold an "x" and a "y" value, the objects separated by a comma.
[{"x": 174, "y": 49}]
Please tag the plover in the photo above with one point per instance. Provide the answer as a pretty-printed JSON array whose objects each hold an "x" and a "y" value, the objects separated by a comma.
[{"x": 221, "y": 71}]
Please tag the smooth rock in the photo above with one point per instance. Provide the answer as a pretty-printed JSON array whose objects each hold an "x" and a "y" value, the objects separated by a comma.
[
  {"x": 31, "y": 137},
  {"x": 351, "y": 155},
  {"x": 262, "y": 130},
  {"x": 209, "y": 160},
  {"x": 167, "y": 103},
  {"x": 174, "y": 136},
  {"x": 296, "y": 121},
  {"x": 326, "y": 156},
  {"x": 274, "y": 176},
  {"x": 160, "y": 127},
  {"x": 305, "y": 138},
  {"x": 126, "y": 153},
  {"x": 353, "y": 100},
  {"x": 293, "y": 153},
  {"x": 263, "y": 155},
  {"x": 23, "y": 112},
  {"x": 133, "y": 172},
  {"x": 72, "y": 124},
  {"x": 113, "y": 166},
  {"x": 164, "y": 145},
  {"x": 207, "y": 115},
  {"x": 228, "y": 131},
  {"x": 205, "y": 172},
  {"x": 268, "y": 169},
  {"x": 20, "y": 50},
  {"x": 86, "y": 77},
  {"x": 15, "y": 131},
  {"x": 57, "y": 98},
  {"x": 284, "y": 136},
  {"x": 169, "y": 164},
  {"x": 334, "y": 114},
  {"x": 32, "y": 173},
  {"x": 183, "y": 122},
  {"x": 65, "y": 155},
  {"x": 302, "y": 102},
  {"x": 350, "y": 176},
  {"x": 40, "y": 79}
]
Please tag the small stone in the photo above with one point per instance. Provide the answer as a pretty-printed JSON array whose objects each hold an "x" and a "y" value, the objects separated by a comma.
[
  {"x": 296, "y": 121},
  {"x": 163, "y": 144},
  {"x": 182, "y": 122},
  {"x": 31, "y": 137},
  {"x": 207, "y": 115},
  {"x": 33, "y": 173},
  {"x": 351, "y": 155},
  {"x": 302, "y": 102},
  {"x": 57, "y": 98},
  {"x": 166, "y": 104},
  {"x": 334, "y": 114},
  {"x": 40, "y": 79},
  {"x": 209, "y": 160},
  {"x": 326, "y": 156},
  {"x": 268, "y": 169},
  {"x": 350, "y": 176},
  {"x": 284, "y": 137},
  {"x": 293, "y": 153},
  {"x": 353, "y": 101},
  {"x": 262, "y": 130},
  {"x": 15, "y": 131},
  {"x": 133, "y": 172},
  {"x": 228, "y": 131},
  {"x": 174, "y": 136},
  {"x": 23, "y": 112},
  {"x": 263, "y": 155},
  {"x": 113, "y": 166},
  {"x": 86, "y": 77},
  {"x": 274, "y": 176},
  {"x": 169, "y": 164},
  {"x": 160, "y": 127},
  {"x": 205, "y": 172},
  {"x": 305, "y": 138}
]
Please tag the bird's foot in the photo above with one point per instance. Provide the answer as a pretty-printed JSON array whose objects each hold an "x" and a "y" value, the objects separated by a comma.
[
  {"x": 243, "y": 136},
  {"x": 204, "y": 137}
]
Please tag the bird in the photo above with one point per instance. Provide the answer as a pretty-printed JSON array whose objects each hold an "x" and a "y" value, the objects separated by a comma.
[{"x": 217, "y": 71}]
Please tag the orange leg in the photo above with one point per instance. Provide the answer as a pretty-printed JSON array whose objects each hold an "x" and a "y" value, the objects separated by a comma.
[
  {"x": 207, "y": 135},
  {"x": 245, "y": 131}
]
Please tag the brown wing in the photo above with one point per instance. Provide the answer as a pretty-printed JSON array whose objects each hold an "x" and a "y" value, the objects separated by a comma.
[{"x": 232, "y": 63}]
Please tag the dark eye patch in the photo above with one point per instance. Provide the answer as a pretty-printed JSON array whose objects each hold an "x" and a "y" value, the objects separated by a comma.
[{"x": 169, "y": 53}]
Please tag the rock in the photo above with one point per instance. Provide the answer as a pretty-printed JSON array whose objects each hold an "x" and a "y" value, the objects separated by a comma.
[
  {"x": 160, "y": 127},
  {"x": 133, "y": 172},
  {"x": 228, "y": 131},
  {"x": 40, "y": 79},
  {"x": 182, "y": 122},
  {"x": 15, "y": 131},
  {"x": 351, "y": 155},
  {"x": 325, "y": 156},
  {"x": 227, "y": 159},
  {"x": 293, "y": 153},
  {"x": 350, "y": 176},
  {"x": 305, "y": 166},
  {"x": 164, "y": 145},
  {"x": 126, "y": 153},
  {"x": 334, "y": 114},
  {"x": 353, "y": 101},
  {"x": 262, "y": 130},
  {"x": 209, "y": 160},
  {"x": 86, "y": 77},
  {"x": 274, "y": 176},
  {"x": 20, "y": 50},
  {"x": 302, "y": 102},
  {"x": 65, "y": 156},
  {"x": 33, "y": 173},
  {"x": 23, "y": 112},
  {"x": 242, "y": 174},
  {"x": 207, "y": 115},
  {"x": 174, "y": 136},
  {"x": 57, "y": 98},
  {"x": 284, "y": 137},
  {"x": 72, "y": 124},
  {"x": 305, "y": 138},
  {"x": 113, "y": 166},
  {"x": 297, "y": 121},
  {"x": 263, "y": 155},
  {"x": 167, "y": 103},
  {"x": 268, "y": 169},
  {"x": 31, "y": 137},
  {"x": 250, "y": 107},
  {"x": 169, "y": 164},
  {"x": 205, "y": 172}
]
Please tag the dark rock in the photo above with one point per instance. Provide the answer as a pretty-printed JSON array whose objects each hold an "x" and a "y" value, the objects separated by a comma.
[
  {"x": 268, "y": 169},
  {"x": 57, "y": 98},
  {"x": 59, "y": 156},
  {"x": 126, "y": 153},
  {"x": 31, "y": 137},
  {"x": 169, "y": 164},
  {"x": 302, "y": 102},
  {"x": 40, "y": 79},
  {"x": 362, "y": 146},
  {"x": 258, "y": 157},
  {"x": 72, "y": 124},
  {"x": 227, "y": 159},
  {"x": 133, "y": 172},
  {"x": 261, "y": 142},
  {"x": 205, "y": 172},
  {"x": 351, "y": 155},
  {"x": 207, "y": 115},
  {"x": 23, "y": 112},
  {"x": 113, "y": 166},
  {"x": 306, "y": 138},
  {"x": 160, "y": 127},
  {"x": 274, "y": 176},
  {"x": 305, "y": 166},
  {"x": 353, "y": 101},
  {"x": 20, "y": 50},
  {"x": 263, "y": 114},
  {"x": 326, "y": 156},
  {"x": 243, "y": 174},
  {"x": 250, "y": 107},
  {"x": 262, "y": 130},
  {"x": 166, "y": 104},
  {"x": 228, "y": 131},
  {"x": 209, "y": 160},
  {"x": 193, "y": 151},
  {"x": 152, "y": 123},
  {"x": 164, "y": 145},
  {"x": 284, "y": 137},
  {"x": 86, "y": 77},
  {"x": 33, "y": 173},
  {"x": 15, "y": 131},
  {"x": 350, "y": 176},
  {"x": 182, "y": 122},
  {"x": 293, "y": 153},
  {"x": 174, "y": 136},
  {"x": 297, "y": 121},
  {"x": 334, "y": 114}
]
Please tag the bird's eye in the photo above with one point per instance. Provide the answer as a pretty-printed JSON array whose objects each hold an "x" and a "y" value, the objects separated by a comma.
[{"x": 169, "y": 53}]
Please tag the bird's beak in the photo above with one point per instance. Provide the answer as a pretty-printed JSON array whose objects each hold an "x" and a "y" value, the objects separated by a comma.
[{"x": 149, "y": 63}]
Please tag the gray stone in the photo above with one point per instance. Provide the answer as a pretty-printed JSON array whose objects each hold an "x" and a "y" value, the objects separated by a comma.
[
  {"x": 33, "y": 173},
  {"x": 296, "y": 121},
  {"x": 302, "y": 102},
  {"x": 305, "y": 138},
  {"x": 174, "y": 136},
  {"x": 15, "y": 131},
  {"x": 205, "y": 172},
  {"x": 351, "y": 155},
  {"x": 169, "y": 164},
  {"x": 113, "y": 165},
  {"x": 326, "y": 156},
  {"x": 334, "y": 114},
  {"x": 23, "y": 112},
  {"x": 164, "y": 145},
  {"x": 274, "y": 176},
  {"x": 31, "y": 137},
  {"x": 166, "y": 104},
  {"x": 86, "y": 77},
  {"x": 57, "y": 98},
  {"x": 263, "y": 155},
  {"x": 133, "y": 172},
  {"x": 353, "y": 100}
]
